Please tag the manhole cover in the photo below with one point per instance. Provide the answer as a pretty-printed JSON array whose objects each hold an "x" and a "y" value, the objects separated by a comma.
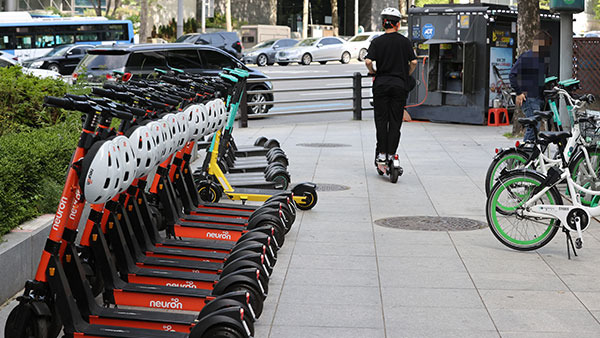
[
  {"x": 323, "y": 145},
  {"x": 430, "y": 223},
  {"x": 331, "y": 187}
]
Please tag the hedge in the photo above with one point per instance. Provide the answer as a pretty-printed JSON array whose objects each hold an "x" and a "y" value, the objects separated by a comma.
[
  {"x": 33, "y": 166},
  {"x": 36, "y": 145}
]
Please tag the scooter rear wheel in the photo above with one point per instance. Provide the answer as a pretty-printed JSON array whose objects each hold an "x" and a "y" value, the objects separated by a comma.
[
  {"x": 223, "y": 332},
  {"x": 394, "y": 174},
  {"x": 256, "y": 300},
  {"x": 311, "y": 198}
]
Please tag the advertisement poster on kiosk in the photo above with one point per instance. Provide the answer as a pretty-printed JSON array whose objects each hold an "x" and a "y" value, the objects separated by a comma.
[{"x": 500, "y": 65}]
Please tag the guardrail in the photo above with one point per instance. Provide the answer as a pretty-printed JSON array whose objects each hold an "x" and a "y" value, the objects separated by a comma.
[{"x": 356, "y": 86}]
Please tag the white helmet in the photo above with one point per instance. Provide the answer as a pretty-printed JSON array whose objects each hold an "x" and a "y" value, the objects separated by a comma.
[
  {"x": 144, "y": 147},
  {"x": 167, "y": 138},
  {"x": 171, "y": 120},
  {"x": 212, "y": 116},
  {"x": 203, "y": 120},
  {"x": 159, "y": 136},
  {"x": 127, "y": 161},
  {"x": 100, "y": 173},
  {"x": 391, "y": 13},
  {"x": 182, "y": 122},
  {"x": 194, "y": 122}
]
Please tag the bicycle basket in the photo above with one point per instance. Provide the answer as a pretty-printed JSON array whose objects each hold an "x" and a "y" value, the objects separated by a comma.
[{"x": 590, "y": 131}]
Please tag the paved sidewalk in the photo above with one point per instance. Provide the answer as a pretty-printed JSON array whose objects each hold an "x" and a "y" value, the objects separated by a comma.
[{"x": 340, "y": 275}]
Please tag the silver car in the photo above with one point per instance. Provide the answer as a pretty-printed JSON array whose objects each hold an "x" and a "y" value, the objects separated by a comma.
[
  {"x": 315, "y": 49},
  {"x": 264, "y": 53}
]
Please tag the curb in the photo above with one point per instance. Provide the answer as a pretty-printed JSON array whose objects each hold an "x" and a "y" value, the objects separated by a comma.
[{"x": 20, "y": 251}]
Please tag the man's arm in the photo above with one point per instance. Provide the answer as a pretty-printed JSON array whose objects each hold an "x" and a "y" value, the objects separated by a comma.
[
  {"x": 369, "y": 65},
  {"x": 515, "y": 82},
  {"x": 412, "y": 65}
]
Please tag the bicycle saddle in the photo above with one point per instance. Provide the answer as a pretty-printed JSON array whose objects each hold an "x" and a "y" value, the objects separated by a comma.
[
  {"x": 554, "y": 136},
  {"x": 545, "y": 114},
  {"x": 528, "y": 121}
]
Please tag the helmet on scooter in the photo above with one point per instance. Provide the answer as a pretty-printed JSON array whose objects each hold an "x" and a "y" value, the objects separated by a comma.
[
  {"x": 194, "y": 122},
  {"x": 171, "y": 124},
  {"x": 100, "y": 175},
  {"x": 210, "y": 117},
  {"x": 127, "y": 161},
  {"x": 159, "y": 136},
  {"x": 203, "y": 120},
  {"x": 390, "y": 17},
  {"x": 183, "y": 128},
  {"x": 144, "y": 148}
]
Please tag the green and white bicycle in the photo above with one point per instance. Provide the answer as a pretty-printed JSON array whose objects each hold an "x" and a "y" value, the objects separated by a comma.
[{"x": 525, "y": 209}]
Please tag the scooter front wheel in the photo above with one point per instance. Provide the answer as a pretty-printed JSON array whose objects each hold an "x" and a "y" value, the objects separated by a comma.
[
  {"x": 209, "y": 192},
  {"x": 22, "y": 322}
]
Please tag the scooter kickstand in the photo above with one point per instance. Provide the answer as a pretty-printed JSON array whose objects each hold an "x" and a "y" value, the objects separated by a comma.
[{"x": 570, "y": 244}]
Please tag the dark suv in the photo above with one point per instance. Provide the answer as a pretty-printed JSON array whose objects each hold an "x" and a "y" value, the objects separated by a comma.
[
  {"x": 140, "y": 60},
  {"x": 227, "y": 41},
  {"x": 62, "y": 59}
]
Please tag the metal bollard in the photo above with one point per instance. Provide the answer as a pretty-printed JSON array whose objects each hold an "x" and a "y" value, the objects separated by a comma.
[
  {"x": 243, "y": 122},
  {"x": 357, "y": 96}
]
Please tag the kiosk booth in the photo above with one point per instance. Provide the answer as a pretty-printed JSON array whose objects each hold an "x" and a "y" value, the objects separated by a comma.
[{"x": 465, "y": 53}]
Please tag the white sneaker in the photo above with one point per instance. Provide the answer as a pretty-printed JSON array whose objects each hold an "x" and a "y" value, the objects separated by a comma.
[{"x": 381, "y": 157}]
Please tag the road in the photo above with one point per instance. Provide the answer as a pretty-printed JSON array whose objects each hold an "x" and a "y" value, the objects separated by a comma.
[{"x": 315, "y": 69}]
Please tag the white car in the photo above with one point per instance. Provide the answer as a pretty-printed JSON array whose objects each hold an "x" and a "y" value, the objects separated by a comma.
[
  {"x": 359, "y": 44},
  {"x": 315, "y": 49},
  {"x": 6, "y": 61}
]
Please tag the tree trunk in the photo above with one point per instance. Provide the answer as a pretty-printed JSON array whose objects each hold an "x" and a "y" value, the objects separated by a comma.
[
  {"x": 97, "y": 7},
  {"x": 144, "y": 32},
  {"x": 273, "y": 12},
  {"x": 305, "y": 19},
  {"x": 528, "y": 23},
  {"x": 335, "y": 21},
  {"x": 228, "y": 15},
  {"x": 402, "y": 7},
  {"x": 108, "y": 4}
]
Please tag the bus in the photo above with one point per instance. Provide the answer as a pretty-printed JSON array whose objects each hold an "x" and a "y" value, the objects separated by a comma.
[{"x": 26, "y": 37}]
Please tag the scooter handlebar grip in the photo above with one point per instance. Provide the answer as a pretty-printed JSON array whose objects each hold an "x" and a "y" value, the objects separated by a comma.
[
  {"x": 121, "y": 114},
  {"x": 113, "y": 86},
  {"x": 59, "y": 102}
]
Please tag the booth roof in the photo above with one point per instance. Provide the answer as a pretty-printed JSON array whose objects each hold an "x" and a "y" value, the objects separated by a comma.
[{"x": 492, "y": 9}]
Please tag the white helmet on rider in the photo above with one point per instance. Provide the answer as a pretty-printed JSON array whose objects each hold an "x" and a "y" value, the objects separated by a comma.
[
  {"x": 390, "y": 17},
  {"x": 100, "y": 173}
]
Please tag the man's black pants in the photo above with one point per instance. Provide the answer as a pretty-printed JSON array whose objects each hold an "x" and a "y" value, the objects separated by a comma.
[{"x": 389, "y": 102}]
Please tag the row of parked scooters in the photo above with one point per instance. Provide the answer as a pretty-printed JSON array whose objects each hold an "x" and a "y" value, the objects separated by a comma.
[{"x": 208, "y": 274}]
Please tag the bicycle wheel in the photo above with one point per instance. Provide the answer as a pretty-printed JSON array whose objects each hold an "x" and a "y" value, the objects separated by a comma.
[
  {"x": 504, "y": 211},
  {"x": 582, "y": 175},
  {"x": 509, "y": 159}
]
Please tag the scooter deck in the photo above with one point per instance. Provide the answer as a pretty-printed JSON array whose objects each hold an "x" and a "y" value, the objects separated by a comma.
[
  {"x": 126, "y": 332},
  {"x": 158, "y": 250},
  {"x": 198, "y": 243},
  {"x": 221, "y": 212},
  {"x": 258, "y": 191},
  {"x": 214, "y": 220},
  {"x": 179, "y": 263}
]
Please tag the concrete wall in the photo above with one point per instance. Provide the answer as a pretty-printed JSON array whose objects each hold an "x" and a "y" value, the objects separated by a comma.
[
  {"x": 20, "y": 252},
  {"x": 255, "y": 12},
  {"x": 162, "y": 11}
]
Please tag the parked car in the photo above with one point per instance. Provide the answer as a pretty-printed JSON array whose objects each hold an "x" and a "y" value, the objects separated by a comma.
[
  {"x": 7, "y": 60},
  {"x": 264, "y": 53},
  {"x": 227, "y": 41},
  {"x": 315, "y": 49},
  {"x": 592, "y": 34},
  {"x": 141, "y": 60},
  {"x": 359, "y": 44},
  {"x": 62, "y": 59}
]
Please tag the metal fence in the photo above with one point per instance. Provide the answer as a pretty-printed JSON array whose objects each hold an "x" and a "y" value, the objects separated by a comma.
[
  {"x": 586, "y": 64},
  {"x": 354, "y": 83}
]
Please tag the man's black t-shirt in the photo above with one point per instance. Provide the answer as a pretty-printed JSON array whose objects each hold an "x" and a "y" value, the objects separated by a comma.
[{"x": 393, "y": 52}]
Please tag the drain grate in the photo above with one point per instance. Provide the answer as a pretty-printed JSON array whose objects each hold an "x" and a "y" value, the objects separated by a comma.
[
  {"x": 431, "y": 223},
  {"x": 323, "y": 145},
  {"x": 331, "y": 187}
]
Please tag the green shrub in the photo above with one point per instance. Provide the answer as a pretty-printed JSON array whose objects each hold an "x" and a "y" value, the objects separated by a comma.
[
  {"x": 22, "y": 98},
  {"x": 33, "y": 166}
]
